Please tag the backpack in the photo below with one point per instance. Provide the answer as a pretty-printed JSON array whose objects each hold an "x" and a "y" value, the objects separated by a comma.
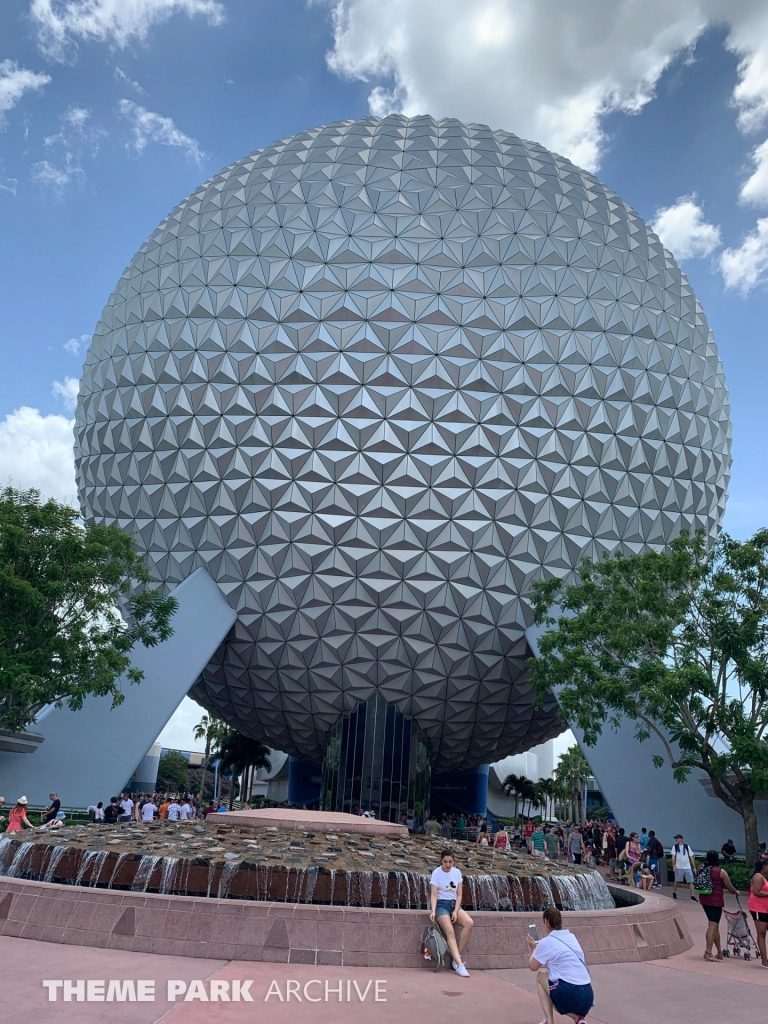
[
  {"x": 702, "y": 881},
  {"x": 433, "y": 945},
  {"x": 655, "y": 849}
]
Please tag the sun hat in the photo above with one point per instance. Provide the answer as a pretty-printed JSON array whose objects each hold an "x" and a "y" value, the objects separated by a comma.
[{"x": 22, "y": 800}]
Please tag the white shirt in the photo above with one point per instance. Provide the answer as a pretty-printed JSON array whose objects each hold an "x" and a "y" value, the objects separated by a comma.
[
  {"x": 447, "y": 882},
  {"x": 563, "y": 958},
  {"x": 173, "y": 812},
  {"x": 186, "y": 812},
  {"x": 682, "y": 857},
  {"x": 148, "y": 811},
  {"x": 98, "y": 813},
  {"x": 126, "y": 805}
]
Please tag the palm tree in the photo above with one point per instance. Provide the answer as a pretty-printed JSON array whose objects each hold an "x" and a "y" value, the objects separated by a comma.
[
  {"x": 213, "y": 730},
  {"x": 241, "y": 753},
  {"x": 573, "y": 771},
  {"x": 513, "y": 786},
  {"x": 528, "y": 794}
]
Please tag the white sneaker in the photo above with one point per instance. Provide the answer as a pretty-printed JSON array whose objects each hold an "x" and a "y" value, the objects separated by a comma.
[{"x": 460, "y": 969}]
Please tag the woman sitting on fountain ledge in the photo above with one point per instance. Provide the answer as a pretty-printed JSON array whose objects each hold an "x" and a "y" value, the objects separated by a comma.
[
  {"x": 445, "y": 903},
  {"x": 563, "y": 981}
]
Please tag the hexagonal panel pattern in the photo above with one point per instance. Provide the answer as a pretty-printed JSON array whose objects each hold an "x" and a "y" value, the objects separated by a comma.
[{"x": 377, "y": 378}]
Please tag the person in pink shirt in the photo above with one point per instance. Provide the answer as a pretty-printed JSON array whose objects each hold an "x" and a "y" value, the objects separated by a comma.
[
  {"x": 757, "y": 905},
  {"x": 17, "y": 819}
]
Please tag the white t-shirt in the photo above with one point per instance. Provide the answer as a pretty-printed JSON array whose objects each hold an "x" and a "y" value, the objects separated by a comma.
[
  {"x": 563, "y": 958},
  {"x": 148, "y": 811},
  {"x": 173, "y": 812},
  {"x": 682, "y": 857},
  {"x": 186, "y": 812},
  {"x": 126, "y": 805},
  {"x": 447, "y": 882}
]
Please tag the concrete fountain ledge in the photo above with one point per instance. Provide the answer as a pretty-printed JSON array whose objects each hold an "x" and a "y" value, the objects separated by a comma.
[
  {"x": 319, "y": 821},
  {"x": 653, "y": 928}
]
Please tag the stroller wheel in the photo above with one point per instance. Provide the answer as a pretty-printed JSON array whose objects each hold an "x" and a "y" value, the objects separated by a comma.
[
  {"x": 747, "y": 956},
  {"x": 726, "y": 952},
  {"x": 736, "y": 952}
]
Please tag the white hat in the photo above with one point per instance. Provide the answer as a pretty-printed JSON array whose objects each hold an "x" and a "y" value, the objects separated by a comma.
[{"x": 22, "y": 800}]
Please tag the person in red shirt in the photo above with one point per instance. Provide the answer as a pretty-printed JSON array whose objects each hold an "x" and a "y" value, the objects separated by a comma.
[{"x": 17, "y": 819}]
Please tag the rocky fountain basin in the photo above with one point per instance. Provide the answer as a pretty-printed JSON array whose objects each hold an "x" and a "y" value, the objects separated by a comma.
[{"x": 235, "y": 860}]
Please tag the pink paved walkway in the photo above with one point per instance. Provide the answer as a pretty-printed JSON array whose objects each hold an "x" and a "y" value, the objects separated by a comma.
[{"x": 683, "y": 989}]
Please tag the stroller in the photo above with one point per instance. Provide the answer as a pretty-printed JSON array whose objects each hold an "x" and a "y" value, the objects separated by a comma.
[{"x": 739, "y": 937}]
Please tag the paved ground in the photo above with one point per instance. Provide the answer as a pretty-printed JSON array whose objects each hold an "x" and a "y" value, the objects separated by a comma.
[{"x": 684, "y": 989}]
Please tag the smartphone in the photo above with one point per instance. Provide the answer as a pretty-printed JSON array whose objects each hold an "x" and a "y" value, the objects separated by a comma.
[{"x": 534, "y": 933}]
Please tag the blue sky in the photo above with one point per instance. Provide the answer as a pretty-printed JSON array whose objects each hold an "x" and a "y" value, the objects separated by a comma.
[{"x": 112, "y": 112}]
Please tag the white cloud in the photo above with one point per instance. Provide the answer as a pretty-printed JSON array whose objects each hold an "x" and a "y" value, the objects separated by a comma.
[
  {"x": 59, "y": 177},
  {"x": 36, "y": 451},
  {"x": 548, "y": 72},
  {"x": 683, "y": 230},
  {"x": 150, "y": 127},
  {"x": 61, "y": 23},
  {"x": 179, "y": 733},
  {"x": 747, "y": 267},
  {"x": 754, "y": 191},
  {"x": 77, "y": 138},
  {"x": 121, "y": 76},
  {"x": 67, "y": 390},
  {"x": 74, "y": 345},
  {"x": 77, "y": 133},
  {"x": 9, "y": 185},
  {"x": 515, "y": 64},
  {"x": 14, "y": 82}
]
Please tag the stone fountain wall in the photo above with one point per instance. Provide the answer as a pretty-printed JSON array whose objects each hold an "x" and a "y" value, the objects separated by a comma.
[{"x": 652, "y": 929}]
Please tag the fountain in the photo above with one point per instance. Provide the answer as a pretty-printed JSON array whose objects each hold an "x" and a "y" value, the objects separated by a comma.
[
  {"x": 292, "y": 865},
  {"x": 283, "y": 879}
]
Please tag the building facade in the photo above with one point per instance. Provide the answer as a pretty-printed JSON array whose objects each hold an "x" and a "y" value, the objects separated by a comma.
[{"x": 376, "y": 379}]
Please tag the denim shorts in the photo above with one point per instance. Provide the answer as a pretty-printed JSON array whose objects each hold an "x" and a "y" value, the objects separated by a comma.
[
  {"x": 445, "y": 907},
  {"x": 568, "y": 998}
]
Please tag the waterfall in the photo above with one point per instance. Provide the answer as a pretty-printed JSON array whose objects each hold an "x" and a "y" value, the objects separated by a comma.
[
  {"x": 366, "y": 887},
  {"x": 98, "y": 866},
  {"x": 85, "y": 860},
  {"x": 211, "y": 873},
  {"x": 584, "y": 892},
  {"x": 144, "y": 873},
  {"x": 4, "y": 844},
  {"x": 17, "y": 864},
  {"x": 546, "y": 896},
  {"x": 309, "y": 884},
  {"x": 298, "y": 884},
  {"x": 169, "y": 874},
  {"x": 471, "y": 879},
  {"x": 518, "y": 896},
  {"x": 120, "y": 858},
  {"x": 332, "y": 873},
  {"x": 227, "y": 874},
  {"x": 402, "y": 877},
  {"x": 383, "y": 886},
  {"x": 55, "y": 853}
]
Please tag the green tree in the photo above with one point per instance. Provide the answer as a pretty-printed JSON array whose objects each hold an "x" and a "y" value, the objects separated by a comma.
[
  {"x": 677, "y": 642},
  {"x": 213, "y": 730},
  {"x": 62, "y": 637},
  {"x": 241, "y": 753},
  {"x": 173, "y": 773},
  {"x": 572, "y": 772},
  {"x": 513, "y": 785}
]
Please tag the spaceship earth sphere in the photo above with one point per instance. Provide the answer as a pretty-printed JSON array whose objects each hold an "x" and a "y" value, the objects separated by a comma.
[{"x": 377, "y": 378}]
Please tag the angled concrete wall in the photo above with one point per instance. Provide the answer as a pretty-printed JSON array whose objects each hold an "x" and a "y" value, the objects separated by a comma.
[{"x": 90, "y": 755}]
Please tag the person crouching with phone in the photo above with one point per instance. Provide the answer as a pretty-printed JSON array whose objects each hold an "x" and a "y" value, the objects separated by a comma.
[
  {"x": 563, "y": 981},
  {"x": 445, "y": 905}
]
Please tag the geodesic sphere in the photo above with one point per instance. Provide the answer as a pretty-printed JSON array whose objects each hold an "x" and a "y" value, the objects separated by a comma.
[{"x": 377, "y": 378}]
